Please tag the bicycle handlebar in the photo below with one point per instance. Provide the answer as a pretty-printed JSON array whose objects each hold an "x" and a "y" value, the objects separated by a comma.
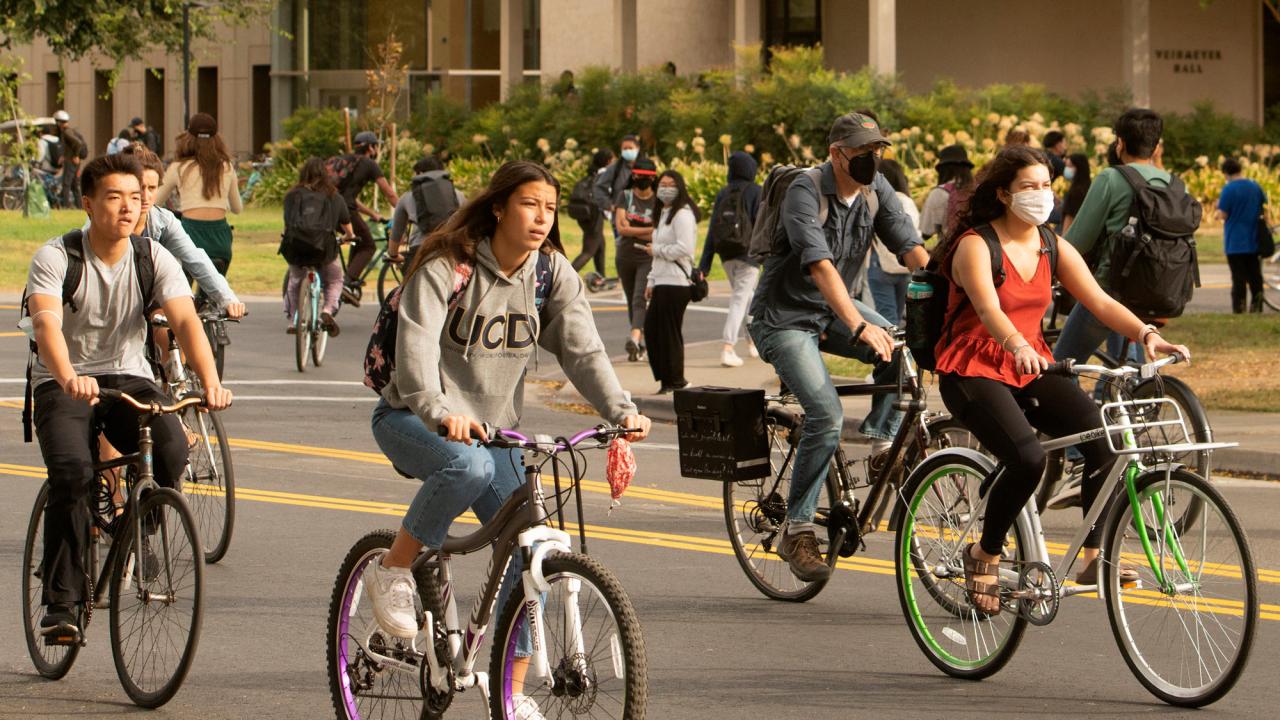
[
  {"x": 1069, "y": 367},
  {"x": 153, "y": 408},
  {"x": 513, "y": 440}
]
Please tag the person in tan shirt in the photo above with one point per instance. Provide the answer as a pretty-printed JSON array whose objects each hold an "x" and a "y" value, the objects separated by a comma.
[{"x": 205, "y": 180}]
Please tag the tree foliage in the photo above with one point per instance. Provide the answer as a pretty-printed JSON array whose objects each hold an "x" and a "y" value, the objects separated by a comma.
[{"x": 118, "y": 30}]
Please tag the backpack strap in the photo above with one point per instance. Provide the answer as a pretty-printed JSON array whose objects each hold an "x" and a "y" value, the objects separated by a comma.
[
  {"x": 988, "y": 234},
  {"x": 1049, "y": 238},
  {"x": 824, "y": 204},
  {"x": 73, "y": 243},
  {"x": 144, "y": 266}
]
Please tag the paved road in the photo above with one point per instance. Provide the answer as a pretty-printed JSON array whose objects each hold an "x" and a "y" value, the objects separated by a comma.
[{"x": 312, "y": 482}]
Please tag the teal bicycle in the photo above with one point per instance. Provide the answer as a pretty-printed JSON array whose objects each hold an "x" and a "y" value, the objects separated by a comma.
[
  {"x": 310, "y": 336},
  {"x": 1185, "y": 627}
]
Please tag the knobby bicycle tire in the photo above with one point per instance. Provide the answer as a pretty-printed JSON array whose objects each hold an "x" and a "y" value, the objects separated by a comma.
[{"x": 586, "y": 681}]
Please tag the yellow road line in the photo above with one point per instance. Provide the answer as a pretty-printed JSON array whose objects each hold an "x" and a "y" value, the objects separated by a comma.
[
  {"x": 11, "y": 404},
  {"x": 12, "y": 334},
  {"x": 9, "y": 307}
]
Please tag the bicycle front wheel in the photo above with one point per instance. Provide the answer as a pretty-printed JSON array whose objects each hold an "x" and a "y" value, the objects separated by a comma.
[
  {"x": 389, "y": 279},
  {"x": 51, "y": 661},
  {"x": 319, "y": 341},
  {"x": 1187, "y": 639},
  {"x": 304, "y": 322},
  {"x": 595, "y": 652},
  {"x": 157, "y": 596},
  {"x": 939, "y": 521},
  {"x": 754, "y": 514},
  {"x": 210, "y": 486}
]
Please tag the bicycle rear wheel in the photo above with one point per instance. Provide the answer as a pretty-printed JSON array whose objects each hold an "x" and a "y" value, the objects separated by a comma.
[
  {"x": 210, "y": 486},
  {"x": 754, "y": 513},
  {"x": 595, "y": 651},
  {"x": 51, "y": 661},
  {"x": 304, "y": 322},
  {"x": 157, "y": 599},
  {"x": 389, "y": 279},
  {"x": 319, "y": 341},
  {"x": 936, "y": 528},
  {"x": 1189, "y": 641},
  {"x": 359, "y": 686}
]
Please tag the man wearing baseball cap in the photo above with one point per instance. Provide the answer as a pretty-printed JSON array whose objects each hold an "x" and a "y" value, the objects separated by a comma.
[
  {"x": 361, "y": 168},
  {"x": 802, "y": 308}
]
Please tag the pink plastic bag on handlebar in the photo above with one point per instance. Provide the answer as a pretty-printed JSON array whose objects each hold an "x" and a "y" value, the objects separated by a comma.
[{"x": 621, "y": 467}]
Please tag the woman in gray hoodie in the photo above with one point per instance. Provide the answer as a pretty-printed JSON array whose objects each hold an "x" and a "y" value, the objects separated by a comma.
[{"x": 461, "y": 359}]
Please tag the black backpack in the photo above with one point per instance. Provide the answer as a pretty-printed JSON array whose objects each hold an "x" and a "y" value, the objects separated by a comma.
[
  {"x": 144, "y": 269},
  {"x": 927, "y": 320},
  {"x": 435, "y": 200},
  {"x": 580, "y": 206},
  {"x": 308, "y": 229},
  {"x": 1154, "y": 269},
  {"x": 731, "y": 226}
]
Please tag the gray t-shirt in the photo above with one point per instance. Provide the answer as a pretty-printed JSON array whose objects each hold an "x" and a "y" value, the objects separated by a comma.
[{"x": 106, "y": 335}]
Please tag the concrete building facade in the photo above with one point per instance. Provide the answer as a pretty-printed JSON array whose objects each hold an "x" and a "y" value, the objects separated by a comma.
[{"x": 1169, "y": 54}]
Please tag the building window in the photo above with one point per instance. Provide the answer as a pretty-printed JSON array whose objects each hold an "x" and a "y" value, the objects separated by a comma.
[
  {"x": 793, "y": 22},
  {"x": 52, "y": 92},
  {"x": 345, "y": 35},
  {"x": 104, "y": 106},
  {"x": 207, "y": 91},
  {"x": 532, "y": 34},
  {"x": 153, "y": 101}
]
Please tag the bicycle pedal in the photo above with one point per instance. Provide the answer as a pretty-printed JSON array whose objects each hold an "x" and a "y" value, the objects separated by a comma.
[{"x": 63, "y": 637}]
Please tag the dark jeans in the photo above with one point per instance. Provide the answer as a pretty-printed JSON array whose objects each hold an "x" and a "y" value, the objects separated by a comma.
[
  {"x": 65, "y": 430},
  {"x": 592, "y": 244},
  {"x": 664, "y": 333},
  {"x": 363, "y": 249},
  {"x": 71, "y": 186},
  {"x": 1245, "y": 270},
  {"x": 1005, "y": 421},
  {"x": 634, "y": 274}
]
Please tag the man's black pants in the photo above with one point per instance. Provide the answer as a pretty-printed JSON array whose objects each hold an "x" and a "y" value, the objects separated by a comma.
[{"x": 363, "y": 250}]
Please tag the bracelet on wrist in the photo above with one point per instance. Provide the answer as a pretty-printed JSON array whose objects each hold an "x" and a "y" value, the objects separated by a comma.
[
  {"x": 1004, "y": 344},
  {"x": 857, "y": 332},
  {"x": 1019, "y": 349},
  {"x": 1147, "y": 331}
]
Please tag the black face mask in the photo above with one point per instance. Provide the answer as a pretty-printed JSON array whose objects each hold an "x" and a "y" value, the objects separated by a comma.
[
  {"x": 862, "y": 168},
  {"x": 643, "y": 184}
]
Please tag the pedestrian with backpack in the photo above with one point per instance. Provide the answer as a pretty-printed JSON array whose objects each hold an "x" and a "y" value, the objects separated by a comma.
[
  {"x": 1138, "y": 221},
  {"x": 468, "y": 328},
  {"x": 943, "y": 203},
  {"x": 814, "y": 228},
  {"x": 1242, "y": 210},
  {"x": 351, "y": 173},
  {"x": 74, "y": 152},
  {"x": 1001, "y": 262},
  {"x": 729, "y": 236},
  {"x": 590, "y": 217},
  {"x": 430, "y": 202},
  {"x": 205, "y": 180},
  {"x": 313, "y": 212},
  {"x": 886, "y": 277}
]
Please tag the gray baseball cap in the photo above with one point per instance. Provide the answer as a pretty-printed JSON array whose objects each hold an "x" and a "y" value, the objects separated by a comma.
[{"x": 855, "y": 130}]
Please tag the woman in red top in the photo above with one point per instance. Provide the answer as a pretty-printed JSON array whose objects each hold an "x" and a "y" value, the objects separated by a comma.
[{"x": 989, "y": 365}]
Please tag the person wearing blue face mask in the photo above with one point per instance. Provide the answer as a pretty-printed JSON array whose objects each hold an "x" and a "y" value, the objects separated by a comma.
[{"x": 609, "y": 184}]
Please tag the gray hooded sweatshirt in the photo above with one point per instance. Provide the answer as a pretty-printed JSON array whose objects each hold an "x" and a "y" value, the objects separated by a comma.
[{"x": 471, "y": 360}]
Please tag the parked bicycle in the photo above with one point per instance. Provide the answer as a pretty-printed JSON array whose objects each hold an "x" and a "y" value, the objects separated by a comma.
[
  {"x": 151, "y": 579},
  {"x": 569, "y": 622},
  {"x": 209, "y": 484},
  {"x": 1185, "y": 628}
]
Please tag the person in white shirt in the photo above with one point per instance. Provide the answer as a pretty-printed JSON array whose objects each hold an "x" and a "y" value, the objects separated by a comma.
[
  {"x": 667, "y": 291},
  {"x": 887, "y": 277}
]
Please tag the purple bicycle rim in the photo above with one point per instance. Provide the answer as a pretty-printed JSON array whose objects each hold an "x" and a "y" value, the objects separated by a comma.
[
  {"x": 508, "y": 703},
  {"x": 344, "y": 625}
]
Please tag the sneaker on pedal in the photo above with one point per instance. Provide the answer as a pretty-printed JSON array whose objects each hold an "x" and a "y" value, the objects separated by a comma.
[
  {"x": 526, "y": 708},
  {"x": 391, "y": 591},
  {"x": 329, "y": 324},
  {"x": 801, "y": 552},
  {"x": 351, "y": 292},
  {"x": 58, "y": 626}
]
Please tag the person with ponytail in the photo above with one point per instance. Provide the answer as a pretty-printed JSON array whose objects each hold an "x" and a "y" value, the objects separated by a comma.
[
  {"x": 990, "y": 362},
  {"x": 205, "y": 179}
]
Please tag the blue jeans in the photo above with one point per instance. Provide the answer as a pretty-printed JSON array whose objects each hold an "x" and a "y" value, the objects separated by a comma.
[
  {"x": 796, "y": 355},
  {"x": 888, "y": 291},
  {"x": 1082, "y": 334},
  {"x": 454, "y": 477}
]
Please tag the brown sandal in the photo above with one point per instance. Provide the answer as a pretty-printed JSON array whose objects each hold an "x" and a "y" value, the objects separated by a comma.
[{"x": 973, "y": 566}]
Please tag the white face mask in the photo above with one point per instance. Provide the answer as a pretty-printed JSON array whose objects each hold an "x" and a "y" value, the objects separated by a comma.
[{"x": 1033, "y": 206}]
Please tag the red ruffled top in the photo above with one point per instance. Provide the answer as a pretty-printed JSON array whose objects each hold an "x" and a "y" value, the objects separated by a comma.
[{"x": 972, "y": 352}]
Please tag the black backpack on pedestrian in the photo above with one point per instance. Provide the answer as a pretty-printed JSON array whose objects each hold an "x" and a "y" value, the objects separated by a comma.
[
  {"x": 309, "y": 226},
  {"x": 435, "y": 201},
  {"x": 1154, "y": 269},
  {"x": 926, "y": 317},
  {"x": 144, "y": 270},
  {"x": 731, "y": 227},
  {"x": 580, "y": 205}
]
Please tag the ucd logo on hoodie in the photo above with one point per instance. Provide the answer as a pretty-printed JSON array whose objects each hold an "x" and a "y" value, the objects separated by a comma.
[{"x": 512, "y": 331}]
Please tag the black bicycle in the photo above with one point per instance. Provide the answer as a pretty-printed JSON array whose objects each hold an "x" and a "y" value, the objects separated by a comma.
[{"x": 151, "y": 579}]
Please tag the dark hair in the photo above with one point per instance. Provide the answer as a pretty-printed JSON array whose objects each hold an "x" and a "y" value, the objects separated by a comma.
[
  {"x": 102, "y": 166},
  {"x": 1140, "y": 129},
  {"x": 601, "y": 159},
  {"x": 147, "y": 159},
  {"x": 984, "y": 204},
  {"x": 892, "y": 172},
  {"x": 1080, "y": 182},
  {"x": 315, "y": 176},
  {"x": 961, "y": 175},
  {"x": 209, "y": 154},
  {"x": 457, "y": 238},
  {"x": 631, "y": 138},
  {"x": 1053, "y": 137},
  {"x": 1017, "y": 136},
  {"x": 430, "y": 163},
  {"x": 1231, "y": 166},
  {"x": 1113, "y": 155},
  {"x": 682, "y": 199}
]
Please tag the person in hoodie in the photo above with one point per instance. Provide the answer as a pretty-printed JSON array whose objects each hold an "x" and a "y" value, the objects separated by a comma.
[
  {"x": 729, "y": 236},
  {"x": 454, "y": 371},
  {"x": 428, "y": 169}
]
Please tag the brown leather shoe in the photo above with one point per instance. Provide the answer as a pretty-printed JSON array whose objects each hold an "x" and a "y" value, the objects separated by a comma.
[{"x": 802, "y": 554}]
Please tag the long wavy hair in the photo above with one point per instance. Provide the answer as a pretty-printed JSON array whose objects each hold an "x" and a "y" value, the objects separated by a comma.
[
  {"x": 984, "y": 204},
  {"x": 209, "y": 154},
  {"x": 476, "y": 220},
  {"x": 314, "y": 176}
]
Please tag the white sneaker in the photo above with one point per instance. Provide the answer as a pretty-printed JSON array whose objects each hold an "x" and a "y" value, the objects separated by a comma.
[
  {"x": 751, "y": 349},
  {"x": 392, "y": 591},
  {"x": 729, "y": 358},
  {"x": 526, "y": 708}
]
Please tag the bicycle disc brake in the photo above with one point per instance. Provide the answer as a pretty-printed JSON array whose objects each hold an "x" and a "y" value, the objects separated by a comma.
[{"x": 1038, "y": 594}]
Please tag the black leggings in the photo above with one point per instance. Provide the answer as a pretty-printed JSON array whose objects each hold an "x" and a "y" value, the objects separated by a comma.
[
  {"x": 363, "y": 250},
  {"x": 1245, "y": 270},
  {"x": 592, "y": 244},
  {"x": 664, "y": 333},
  {"x": 1005, "y": 421}
]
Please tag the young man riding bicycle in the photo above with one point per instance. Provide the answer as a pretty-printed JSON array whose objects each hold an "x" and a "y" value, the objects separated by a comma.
[
  {"x": 101, "y": 342},
  {"x": 802, "y": 308},
  {"x": 361, "y": 169}
]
